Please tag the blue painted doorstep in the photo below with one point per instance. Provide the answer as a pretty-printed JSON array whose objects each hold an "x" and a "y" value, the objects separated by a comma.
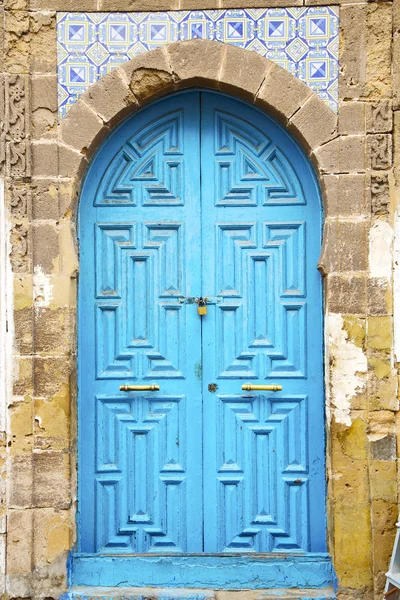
[{"x": 201, "y": 195}]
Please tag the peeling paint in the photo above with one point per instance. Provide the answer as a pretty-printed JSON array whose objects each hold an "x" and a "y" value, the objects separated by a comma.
[
  {"x": 42, "y": 287},
  {"x": 348, "y": 362},
  {"x": 380, "y": 249}
]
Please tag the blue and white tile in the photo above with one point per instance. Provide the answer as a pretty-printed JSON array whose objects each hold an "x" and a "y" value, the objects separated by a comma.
[{"x": 303, "y": 40}]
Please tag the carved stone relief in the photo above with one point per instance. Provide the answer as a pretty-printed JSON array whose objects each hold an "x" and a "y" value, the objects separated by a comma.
[
  {"x": 380, "y": 194},
  {"x": 18, "y": 202},
  {"x": 16, "y": 125},
  {"x": 380, "y": 151},
  {"x": 379, "y": 117}
]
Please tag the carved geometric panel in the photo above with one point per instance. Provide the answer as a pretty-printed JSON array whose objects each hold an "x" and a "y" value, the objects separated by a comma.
[
  {"x": 148, "y": 169},
  {"x": 250, "y": 169},
  {"x": 139, "y": 324},
  {"x": 260, "y": 275},
  {"x": 140, "y": 474},
  {"x": 262, "y": 474}
]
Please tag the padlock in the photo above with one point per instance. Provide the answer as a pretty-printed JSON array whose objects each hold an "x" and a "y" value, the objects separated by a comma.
[{"x": 201, "y": 307}]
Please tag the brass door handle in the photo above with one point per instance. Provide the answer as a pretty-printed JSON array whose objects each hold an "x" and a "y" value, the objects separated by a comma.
[
  {"x": 153, "y": 387},
  {"x": 270, "y": 388}
]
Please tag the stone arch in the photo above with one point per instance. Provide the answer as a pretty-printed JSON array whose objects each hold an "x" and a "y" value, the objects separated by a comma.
[
  {"x": 211, "y": 65},
  {"x": 202, "y": 63}
]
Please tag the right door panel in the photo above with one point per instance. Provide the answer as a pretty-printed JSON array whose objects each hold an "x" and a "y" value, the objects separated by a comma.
[{"x": 261, "y": 231}]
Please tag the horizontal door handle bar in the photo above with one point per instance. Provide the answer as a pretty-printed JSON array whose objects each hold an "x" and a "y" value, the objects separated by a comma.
[
  {"x": 153, "y": 387},
  {"x": 270, "y": 388}
]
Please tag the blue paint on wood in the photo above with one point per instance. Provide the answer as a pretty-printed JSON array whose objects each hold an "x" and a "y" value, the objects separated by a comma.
[
  {"x": 212, "y": 572},
  {"x": 200, "y": 195},
  {"x": 96, "y": 593}
]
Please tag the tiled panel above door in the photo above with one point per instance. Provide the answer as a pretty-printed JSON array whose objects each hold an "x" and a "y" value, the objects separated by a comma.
[{"x": 303, "y": 40}]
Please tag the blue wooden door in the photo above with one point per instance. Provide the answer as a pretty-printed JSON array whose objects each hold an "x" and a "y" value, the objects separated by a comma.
[
  {"x": 261, "y": 231},
  {"x": 140, "y": 452},
  {"x": 200, "y": 195}
]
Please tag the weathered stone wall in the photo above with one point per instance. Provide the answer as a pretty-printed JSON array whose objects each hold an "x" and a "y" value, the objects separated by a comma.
[{"x": 358, "y": 161}]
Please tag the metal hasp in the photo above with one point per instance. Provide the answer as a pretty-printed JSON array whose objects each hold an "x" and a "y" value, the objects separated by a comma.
[
  {"x": 153, "y": 387},
  {"x": 249, "y": 387}
]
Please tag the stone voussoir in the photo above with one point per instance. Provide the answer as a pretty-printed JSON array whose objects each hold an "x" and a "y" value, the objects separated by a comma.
[
  {"x": 110, "y": 97},
  {"x": 243, "y": 73},
  {"x": 81, "y": 128},
  {"x": 195, "y": 62},
  {"x": 315, "y": 124},
  {"x": 281, "y": 94}
]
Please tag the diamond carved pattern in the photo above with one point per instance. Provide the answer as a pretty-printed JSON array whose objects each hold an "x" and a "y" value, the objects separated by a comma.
[
  {"x": 136, "y": 333},
  {"x": 260, "y": 323},
  {"x": 140, "y": 474},
  {"x": 262, "y": 474}
]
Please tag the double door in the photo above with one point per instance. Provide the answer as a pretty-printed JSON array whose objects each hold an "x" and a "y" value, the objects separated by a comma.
[{"x": 200, "y": 196}]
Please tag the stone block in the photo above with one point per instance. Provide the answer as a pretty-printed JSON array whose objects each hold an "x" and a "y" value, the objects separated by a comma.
[
  {"x": 138, "y": 5},
  {"x": 352, "y": 154},
  {"x": 353, "y": 20},
  {"x": 44, "y": 92},
  {"x": 51, "y": 374},
  {"x": 347, "y": 294},
  {"x": 378, "y": 59},
  {"x": 379, "y": 332},
  {"x": 22, "y": 376},
  {"x": 379, "y": 193},
  {"x": 352, "y": 529},
  {"x": 242, "y": 72},
  {"x": 44, "y": 107},
  {"x": 345, "y": 195},
  {"x": 155, "y": 60},
  {"x": 193, "y": 4},
  {"x": 110, "y": 97},
  {"x": 383, "y": 516},
  {"x": 45, "y": 159},
  {"x": 315, "y": 124},
  {"x": 53, "y": 330},
  {"x": 16, "y": 41},
  {"x": 379, "y": 296},
  {"x": 380, "y": 151},
  {"x": 81, "y": 128},
  {"x": 256, "y": 3},
  {"x": 345, "y": 247},
  {"x": 69, "y": 263},
  {"x": 45, "y": 199},
  {"x": 43, "y": 54},
  {"x": 382, "y": 393},
  {"x": 396, "y": 67},
  {"x": 195, "y": 62},
  {"x": 52, "y": 421},
  {"x": 381, "y": 364},
  {"x": 67, "y": 198},
  {"x": 396, "y": 146},
  {"x": 23, "y": 338},
  {"x": 352, "y": 118},
  {"x": 379, "y": 116},
  {"x": 19, "y": 542},
  {"x": 341, "y": 155},
  {"x": 20, "y": 426},
  {"x": 45, "y": 248},
  {"x": 281, "y": 94},
  {"x": 20, "y": 480},
  {"x": 53, "y": 536},
  {"x": 65, "y": 6},
  {"x": 51, "y": 479},
  {"x": 72, "y": 164}
]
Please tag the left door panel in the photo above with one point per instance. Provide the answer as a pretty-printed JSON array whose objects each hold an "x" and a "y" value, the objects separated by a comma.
[{"x": 140, "y": 453}]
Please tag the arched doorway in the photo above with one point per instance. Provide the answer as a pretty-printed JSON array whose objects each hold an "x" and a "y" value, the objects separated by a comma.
[{"x": 200, "y": 196}]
